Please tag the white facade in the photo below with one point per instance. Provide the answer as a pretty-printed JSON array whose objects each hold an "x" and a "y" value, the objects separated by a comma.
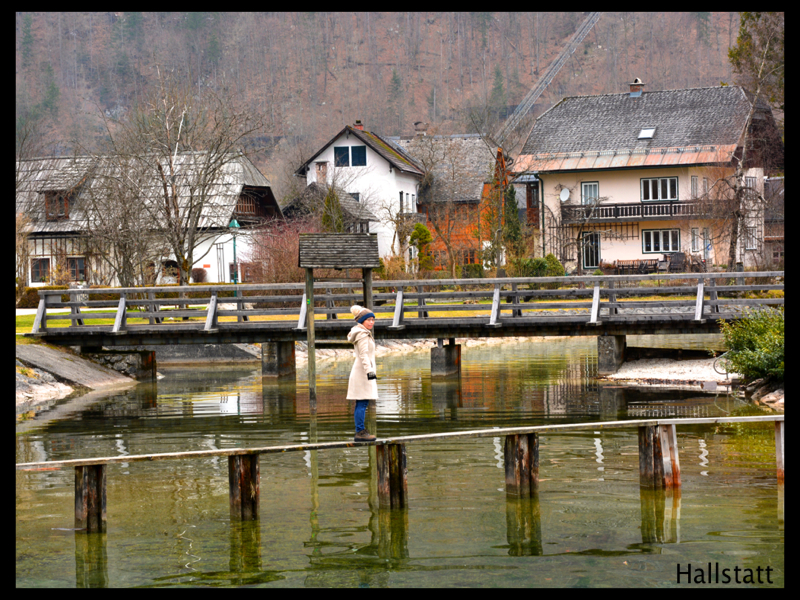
[{"x": 378, "y": 185}]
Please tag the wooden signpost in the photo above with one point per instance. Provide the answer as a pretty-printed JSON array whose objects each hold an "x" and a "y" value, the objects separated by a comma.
[{"x": 334, "y": 251}]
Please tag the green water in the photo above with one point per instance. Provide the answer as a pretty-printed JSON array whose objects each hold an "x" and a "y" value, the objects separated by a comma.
[{"x": 320, "y": 525}]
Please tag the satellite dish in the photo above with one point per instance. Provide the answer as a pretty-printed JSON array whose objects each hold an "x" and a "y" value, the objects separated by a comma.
[{"x": 564, "y": 195}]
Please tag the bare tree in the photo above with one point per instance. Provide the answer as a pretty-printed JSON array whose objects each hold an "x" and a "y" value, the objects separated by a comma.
[{"x": 184, "y": 143}]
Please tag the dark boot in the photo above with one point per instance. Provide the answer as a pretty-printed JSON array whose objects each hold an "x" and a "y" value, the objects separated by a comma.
[{"x": 363, "y": 436}]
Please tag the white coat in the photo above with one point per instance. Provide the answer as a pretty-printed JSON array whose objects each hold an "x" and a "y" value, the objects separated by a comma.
[{"x": 359, "y": 387}]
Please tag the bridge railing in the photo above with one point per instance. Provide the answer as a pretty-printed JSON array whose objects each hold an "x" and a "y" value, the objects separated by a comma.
[{"x": 592, "y": 299}]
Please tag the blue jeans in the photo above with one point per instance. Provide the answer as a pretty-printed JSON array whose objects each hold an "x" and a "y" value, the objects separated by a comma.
[{"x": 359, "y": 413}]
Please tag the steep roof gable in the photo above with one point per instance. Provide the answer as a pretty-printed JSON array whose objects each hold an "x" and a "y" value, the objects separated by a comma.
[{"x": 395, "y": 156}]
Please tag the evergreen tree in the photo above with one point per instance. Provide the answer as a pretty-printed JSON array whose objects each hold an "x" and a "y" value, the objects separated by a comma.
[
  {"x": 498, "y": 98},
  {"x": 332, "y": 216},
  {"x": 395, "y": 101},
  {"x": 27, "y": 40}
]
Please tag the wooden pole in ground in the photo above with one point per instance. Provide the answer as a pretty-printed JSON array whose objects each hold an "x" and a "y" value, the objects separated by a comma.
[
  {"x": 243, "y": 485},
  {"x": 392, "y": 475},
  {"x": 90, "y": 498}
]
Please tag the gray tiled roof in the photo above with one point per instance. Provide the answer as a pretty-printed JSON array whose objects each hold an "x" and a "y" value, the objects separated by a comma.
[
  {"x": 460, "y": 164},
  {"x": 85, "y": 175},
  {"x": 314, "y": 196},
  {"x": 689, "y": 117}
]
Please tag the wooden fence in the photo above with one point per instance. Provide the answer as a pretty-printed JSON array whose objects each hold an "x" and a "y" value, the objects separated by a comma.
[{"x": 659, "y": 464}]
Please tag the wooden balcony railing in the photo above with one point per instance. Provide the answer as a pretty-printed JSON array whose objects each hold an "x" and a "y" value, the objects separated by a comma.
[{"x": 633, "y": 211}]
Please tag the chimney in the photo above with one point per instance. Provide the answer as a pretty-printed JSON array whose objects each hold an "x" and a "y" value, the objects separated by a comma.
[
  {"x": 359, "y": 125},
  {"x": 636, "y": 88},
  {"x": 420, "y": 128}
]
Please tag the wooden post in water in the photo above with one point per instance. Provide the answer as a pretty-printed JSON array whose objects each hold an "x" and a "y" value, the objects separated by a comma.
[
  {"x": 243, "y": 484},
  {"x": 779, "y": 449},
  {"x": 90, "y": 498},
  {"x": 659, "y": 465},
  {"x": 392, "y": 475},
  {"x": 521, "y": 458}
]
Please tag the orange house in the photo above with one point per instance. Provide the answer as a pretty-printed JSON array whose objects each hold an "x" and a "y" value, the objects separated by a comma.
[{"x": 461, "y": 194}]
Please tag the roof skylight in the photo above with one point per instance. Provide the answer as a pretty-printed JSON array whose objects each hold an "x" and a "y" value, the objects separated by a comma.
[{"x": 647, "y": 133}]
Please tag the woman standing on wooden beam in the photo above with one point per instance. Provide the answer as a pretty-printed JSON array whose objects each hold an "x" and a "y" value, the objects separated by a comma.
[{"x": 363, "y": 385}]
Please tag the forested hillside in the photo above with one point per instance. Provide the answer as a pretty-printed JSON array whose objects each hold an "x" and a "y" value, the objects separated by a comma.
[{"x": 309, "y": 74}]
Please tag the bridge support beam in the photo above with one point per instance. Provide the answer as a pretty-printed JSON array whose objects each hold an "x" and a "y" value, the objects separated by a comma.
[
  {"x": 243, "y": 484},
  {"x": 90, "y": 498},
  {"x": 277, "y": 359},
  {"x": 392, "y": 475},
  {"x": 521, "y": 459},
  {"x": 446, "y": 360},
  {"x": 659, "y": 465},
  {"x": 610, "y": 353}
]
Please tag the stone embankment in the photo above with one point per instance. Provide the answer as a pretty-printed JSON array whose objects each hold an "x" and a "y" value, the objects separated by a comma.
[{"x": 44, "y": 374}]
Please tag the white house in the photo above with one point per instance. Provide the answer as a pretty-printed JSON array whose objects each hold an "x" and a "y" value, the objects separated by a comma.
[
  {"x": 53, "y": 194},
  {"x": 374, "y": 172}
]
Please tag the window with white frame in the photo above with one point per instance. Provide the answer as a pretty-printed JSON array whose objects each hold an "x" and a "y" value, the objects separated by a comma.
[
  {"x": 695, "y": 239},
  {"x": 661, "y": 241},
  {"x": 590, "y": 192},
  {"x": 750, "y": 242},
  {"x": 659, "y": 188},
  {"x": 694, "y": 186}
]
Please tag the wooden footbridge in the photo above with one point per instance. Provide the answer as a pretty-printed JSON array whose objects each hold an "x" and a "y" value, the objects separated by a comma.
[
  {"x": 659, "y": 463},
  {"x": 613, "y": 305}
]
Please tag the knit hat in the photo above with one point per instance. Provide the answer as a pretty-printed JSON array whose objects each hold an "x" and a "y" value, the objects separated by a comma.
[{"x": 360, "y": 313}]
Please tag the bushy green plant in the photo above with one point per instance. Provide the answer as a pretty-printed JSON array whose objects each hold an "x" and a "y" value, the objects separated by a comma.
[
  {"x": 755, "y": 344},
  {"x": 554, "y": 268},
  {"x": 472, "y": 271},
  {"x": 529, "y": 267}
]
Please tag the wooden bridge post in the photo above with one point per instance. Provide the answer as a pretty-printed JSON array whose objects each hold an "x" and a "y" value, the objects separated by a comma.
[
  {"x": 243, "y": 485},
  {"x": 779, "y": 449},
  {"x": 75, "y": 310},
  {"x": 521, "y": 459},
  {"x": 90, "y": 498},
  {"x": 392, "y": 475}
]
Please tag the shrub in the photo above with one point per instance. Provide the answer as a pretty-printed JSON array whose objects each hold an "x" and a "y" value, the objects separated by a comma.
[
  {"x": 529, "y": 267},
  {"x": 755, "y": 344},
  {"x": 473, "y": 271},
  {"x": 30, "y": 295},
  {"x": 199, "y": 275},
  {"x": 554, "y": 268}
]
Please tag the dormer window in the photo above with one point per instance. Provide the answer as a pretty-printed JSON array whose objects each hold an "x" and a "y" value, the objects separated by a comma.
[
  {"x": 56, "y": 205},
  {"x": 647, "y": 133}
]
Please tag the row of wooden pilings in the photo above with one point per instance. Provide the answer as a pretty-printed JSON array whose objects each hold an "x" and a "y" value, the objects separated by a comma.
[{"x": 659, "y": 464}]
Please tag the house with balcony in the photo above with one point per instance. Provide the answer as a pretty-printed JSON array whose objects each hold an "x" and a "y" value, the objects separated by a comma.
[
  {"x": 642, "y": 176},
  {"x": 67, "y": 200}
]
